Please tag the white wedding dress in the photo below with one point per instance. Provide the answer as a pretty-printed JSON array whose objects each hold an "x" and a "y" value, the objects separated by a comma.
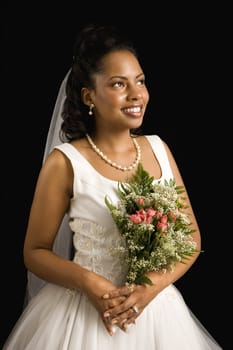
[{"x": 61, "y": 319}]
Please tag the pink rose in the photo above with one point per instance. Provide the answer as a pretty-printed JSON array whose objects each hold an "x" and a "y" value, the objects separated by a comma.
[
  {"x": 140, "y": 200},
  {"x": 135, "y": 218},
  {"x": 151, "y": 212}
]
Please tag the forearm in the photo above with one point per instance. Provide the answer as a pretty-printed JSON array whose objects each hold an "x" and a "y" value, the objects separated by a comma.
[
  {"x": 55, "y": 269},
  {"x": 58, "y": 270},
  {"x": 161, "y": 279}
]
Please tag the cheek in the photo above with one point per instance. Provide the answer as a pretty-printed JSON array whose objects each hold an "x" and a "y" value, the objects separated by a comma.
[
  {"x": 106, "y": 104},
  {"x": 146, "y": 96},
  {"x": 114, "y": 100}
]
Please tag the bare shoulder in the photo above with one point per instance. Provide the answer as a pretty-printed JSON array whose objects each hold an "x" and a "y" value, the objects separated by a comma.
[
  {"x": 56, "y": 158},
  {"x": 57, "y": 164}
]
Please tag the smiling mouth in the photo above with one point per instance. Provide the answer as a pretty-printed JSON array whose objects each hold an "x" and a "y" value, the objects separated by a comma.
[{"x": 133, "y": 110}]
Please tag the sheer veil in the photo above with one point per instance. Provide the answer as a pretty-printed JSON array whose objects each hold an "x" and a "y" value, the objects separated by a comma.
[{"x": 63, "y": 241}]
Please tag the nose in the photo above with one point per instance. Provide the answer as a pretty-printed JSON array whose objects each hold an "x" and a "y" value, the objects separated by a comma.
[{"x": 134, "y": 93}]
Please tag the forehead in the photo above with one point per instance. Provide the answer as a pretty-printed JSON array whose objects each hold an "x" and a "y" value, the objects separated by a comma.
[{"x": 119, "y": 63}]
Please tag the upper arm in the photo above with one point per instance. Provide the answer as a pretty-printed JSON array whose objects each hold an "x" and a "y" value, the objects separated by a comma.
[
  {"x": 50, "y": 202},
  {"x": 179, "y": 182},
  {"x": 174, "y": 167}
]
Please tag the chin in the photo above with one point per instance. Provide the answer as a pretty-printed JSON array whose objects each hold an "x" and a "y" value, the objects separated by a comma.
[{"x": 136, "y": 125}]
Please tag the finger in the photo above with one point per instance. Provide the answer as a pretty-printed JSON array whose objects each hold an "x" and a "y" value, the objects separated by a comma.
[
  {"x": 123, "y": 325},
  {"x": 111, "y": 328},
  {"x": 110, "y": 303},
  {"x": 119, "y": 309},
  {"x": 113, "y": 294},
  {"x": 130, "y": 287},
  {"x": 123, "y": 291},
  {"x": 128, "y": 323},
  {"x": 126, "y": 317}
]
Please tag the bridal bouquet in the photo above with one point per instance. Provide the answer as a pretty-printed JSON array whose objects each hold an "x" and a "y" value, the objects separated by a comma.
[{"x": 151, "y": 219}]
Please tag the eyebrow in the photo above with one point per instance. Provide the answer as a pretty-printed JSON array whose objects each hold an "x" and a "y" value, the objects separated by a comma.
[{"x": 125, "y": 78}]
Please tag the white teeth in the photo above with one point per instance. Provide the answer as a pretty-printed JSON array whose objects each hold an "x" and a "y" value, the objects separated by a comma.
[{"x": 133, "y": 110}]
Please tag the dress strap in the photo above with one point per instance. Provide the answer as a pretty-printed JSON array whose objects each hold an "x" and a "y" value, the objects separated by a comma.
[{"x": 161, "y": 154}]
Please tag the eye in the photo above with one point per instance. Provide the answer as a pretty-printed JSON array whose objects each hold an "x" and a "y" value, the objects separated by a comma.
[
  {"x": 141, "y": 82},
  {"x": 118, "y": 84}
]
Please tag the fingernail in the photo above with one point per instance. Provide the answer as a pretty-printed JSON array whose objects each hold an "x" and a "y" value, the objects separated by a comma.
[
  {"x": 106, "y": 314},
  {"x": 127, "y": 327},
  {"x": 125, "y": 319},
  {"x": 105, "y": 296},
  {"x": 114, "y": 321},
  {"x": 114, "y": 328}
]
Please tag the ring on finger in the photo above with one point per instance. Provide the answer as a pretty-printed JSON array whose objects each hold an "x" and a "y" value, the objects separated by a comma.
[{"x": 135, "y": 309}]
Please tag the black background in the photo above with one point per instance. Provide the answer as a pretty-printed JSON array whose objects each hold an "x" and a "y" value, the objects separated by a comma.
[{"x": 185, "y": 51}]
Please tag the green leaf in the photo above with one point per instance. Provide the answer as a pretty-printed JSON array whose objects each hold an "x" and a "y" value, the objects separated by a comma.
[{"x": 144, "y": 280}]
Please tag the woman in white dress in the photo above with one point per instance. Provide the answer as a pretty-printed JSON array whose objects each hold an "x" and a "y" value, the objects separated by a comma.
[{"x": 82, "y": 302}]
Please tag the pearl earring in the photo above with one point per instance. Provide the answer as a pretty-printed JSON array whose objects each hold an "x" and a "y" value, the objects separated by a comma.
[{"x": 90, "y": 109}]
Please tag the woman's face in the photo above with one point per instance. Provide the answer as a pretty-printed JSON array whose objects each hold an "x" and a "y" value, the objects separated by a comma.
[{"x": 120, "y": 95}]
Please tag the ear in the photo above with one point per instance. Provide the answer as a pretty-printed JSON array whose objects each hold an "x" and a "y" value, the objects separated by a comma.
[{"x": 86, "y": 96}]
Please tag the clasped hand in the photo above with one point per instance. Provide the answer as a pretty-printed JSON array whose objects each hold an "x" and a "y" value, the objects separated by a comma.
[
  {"x": 118, "y": 307},
  {"x": 122, "y": 307}
]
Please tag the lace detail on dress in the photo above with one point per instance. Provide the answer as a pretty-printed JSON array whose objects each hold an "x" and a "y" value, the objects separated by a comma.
[{"x": 99, "y": 250}]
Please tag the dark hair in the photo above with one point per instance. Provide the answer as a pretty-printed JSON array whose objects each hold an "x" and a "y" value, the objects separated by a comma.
[{"x": 94, "y": 41}]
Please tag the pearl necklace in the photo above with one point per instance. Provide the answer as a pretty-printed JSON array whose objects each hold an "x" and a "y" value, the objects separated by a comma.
[{"x": 113, "y": 164}]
